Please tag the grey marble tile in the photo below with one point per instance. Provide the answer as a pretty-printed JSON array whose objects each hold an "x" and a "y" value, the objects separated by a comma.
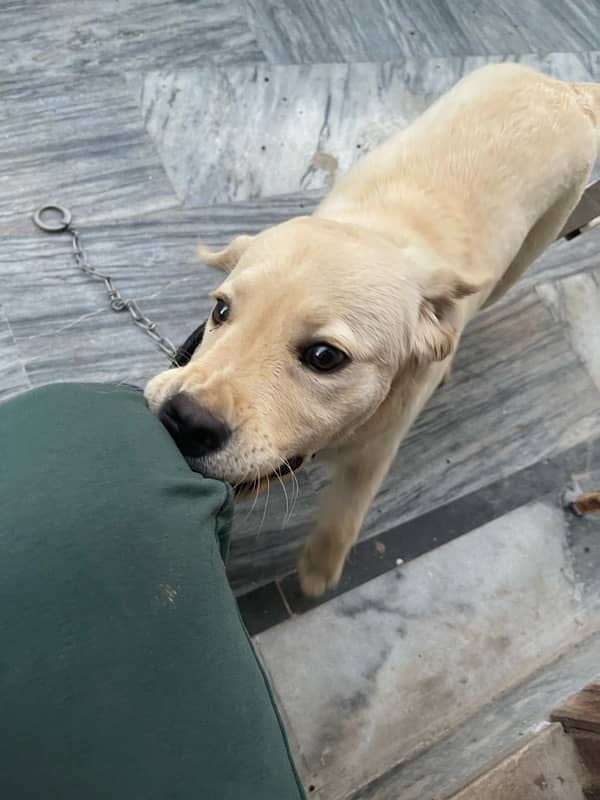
[
  {"x": 252, "y": 131},
  {"x": 509, "y": 402},
  {"x": 305, "y": 31},
  {"x": 79, "y": 141},
  {"x": 558, "y": 25},
  {"x": 575, "y": 303},
  {"x": 85, "y": 35},
  {"x": 397, "y": 663},
  {"x": 61, "y": 318},
  {"x": 13, "y": 378}
]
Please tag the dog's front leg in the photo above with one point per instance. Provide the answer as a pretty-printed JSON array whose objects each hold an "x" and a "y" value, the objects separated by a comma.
[{"x": 358, "y": 474}]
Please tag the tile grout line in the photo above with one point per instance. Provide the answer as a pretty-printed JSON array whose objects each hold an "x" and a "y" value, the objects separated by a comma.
[{"x": 137, "y": 99}]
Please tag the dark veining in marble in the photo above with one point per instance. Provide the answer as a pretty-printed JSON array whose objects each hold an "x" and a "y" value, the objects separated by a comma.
[
  {"x": 258, "y": 131},
  {"x": 302, "y": 31},
  {"x": 78, "y": 141},
  {"x": 85, "y": 36}
]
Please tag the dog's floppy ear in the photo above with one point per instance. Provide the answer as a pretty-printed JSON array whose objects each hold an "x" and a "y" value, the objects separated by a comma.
[
  {"x": 227, "y": 258},
  {"x": 435, "y": 334}
]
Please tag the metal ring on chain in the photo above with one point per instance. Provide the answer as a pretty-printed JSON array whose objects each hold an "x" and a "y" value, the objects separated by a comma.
[
  {"x": 53, "y": 227},
  {"x": 115, "y": 298}
]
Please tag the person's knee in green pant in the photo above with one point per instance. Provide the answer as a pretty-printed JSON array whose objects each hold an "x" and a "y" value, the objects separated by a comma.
[{"x": 125, "y": 671}]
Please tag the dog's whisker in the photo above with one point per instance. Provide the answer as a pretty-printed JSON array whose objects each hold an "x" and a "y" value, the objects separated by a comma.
[
  {"x": 295, "y": 490},
  {"x": 262, "y": 522},
  {"x": 287, "y": 502},
  {"x": 250, "y": 510},
  {"x": 256, "y": 485}
]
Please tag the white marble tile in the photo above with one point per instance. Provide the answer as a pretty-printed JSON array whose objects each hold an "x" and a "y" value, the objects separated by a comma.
[
  {"x": 299, "y": 31},
  {"x": 260, "y": 131},
  {"x": 257, "y": 131},
  {"x": 497, "y": 728},
  {"x": 84, "y": 35},
  {"x": 575, "y": 303},
  {"x": 77, "y": 140},
  {"x": 377, "y": 675}
]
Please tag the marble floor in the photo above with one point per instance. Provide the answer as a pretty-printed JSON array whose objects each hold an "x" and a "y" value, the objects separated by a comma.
[{"x": 162, "y": 122}]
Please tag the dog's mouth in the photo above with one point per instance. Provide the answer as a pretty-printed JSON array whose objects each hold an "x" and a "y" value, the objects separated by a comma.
[
  {"x": 254, "y": 487},
  {"x": 244, "y": 488}
]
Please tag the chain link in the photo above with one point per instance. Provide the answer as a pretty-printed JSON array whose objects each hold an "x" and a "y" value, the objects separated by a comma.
[{"x": 115, "y": 298}]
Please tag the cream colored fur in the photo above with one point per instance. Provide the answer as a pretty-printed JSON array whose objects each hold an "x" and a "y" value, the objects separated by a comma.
[{"x": 437, "y": 222}]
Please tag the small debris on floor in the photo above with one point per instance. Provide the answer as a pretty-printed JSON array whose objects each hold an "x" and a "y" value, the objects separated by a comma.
[{"x": 580, "y": 502}]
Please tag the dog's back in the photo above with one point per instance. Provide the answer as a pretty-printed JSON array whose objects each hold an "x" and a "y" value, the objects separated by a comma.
[{"x": 496, "y": 165}]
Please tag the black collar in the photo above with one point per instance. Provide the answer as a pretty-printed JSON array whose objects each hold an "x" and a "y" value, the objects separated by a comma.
[{"x": 187, "y": 349}]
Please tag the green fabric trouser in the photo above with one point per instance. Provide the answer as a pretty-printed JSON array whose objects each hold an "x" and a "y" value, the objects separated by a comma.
[{"x": 125, "y": 671}]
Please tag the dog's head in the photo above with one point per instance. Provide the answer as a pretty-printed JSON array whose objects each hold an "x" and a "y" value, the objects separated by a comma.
[{"x": 311, "y": 326}]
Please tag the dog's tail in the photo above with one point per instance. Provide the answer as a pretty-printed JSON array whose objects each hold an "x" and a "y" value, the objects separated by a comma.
[{"x": 588, "y": 95}]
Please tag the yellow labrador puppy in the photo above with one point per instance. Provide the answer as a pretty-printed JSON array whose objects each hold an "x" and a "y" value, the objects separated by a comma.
[{"x": 330, "y": 332}]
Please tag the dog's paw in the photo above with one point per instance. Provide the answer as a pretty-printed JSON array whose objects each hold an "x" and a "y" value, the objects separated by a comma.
[{"x": 317, "y": 571}]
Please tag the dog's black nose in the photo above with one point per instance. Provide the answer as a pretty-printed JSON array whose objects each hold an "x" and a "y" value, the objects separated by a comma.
[{"x": 195, "y": 430}]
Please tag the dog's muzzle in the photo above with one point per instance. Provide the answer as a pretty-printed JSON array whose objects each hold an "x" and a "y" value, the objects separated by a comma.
[{"x": 195, "y": 430}]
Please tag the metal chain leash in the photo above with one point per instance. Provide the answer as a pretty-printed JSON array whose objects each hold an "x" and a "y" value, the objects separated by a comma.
[{"x": 115, "y": 298}]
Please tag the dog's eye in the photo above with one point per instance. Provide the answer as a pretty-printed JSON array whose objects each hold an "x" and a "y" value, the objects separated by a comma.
[
  {"x": 220, "y": 312},
  {"x": 324, "y": 357}
]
